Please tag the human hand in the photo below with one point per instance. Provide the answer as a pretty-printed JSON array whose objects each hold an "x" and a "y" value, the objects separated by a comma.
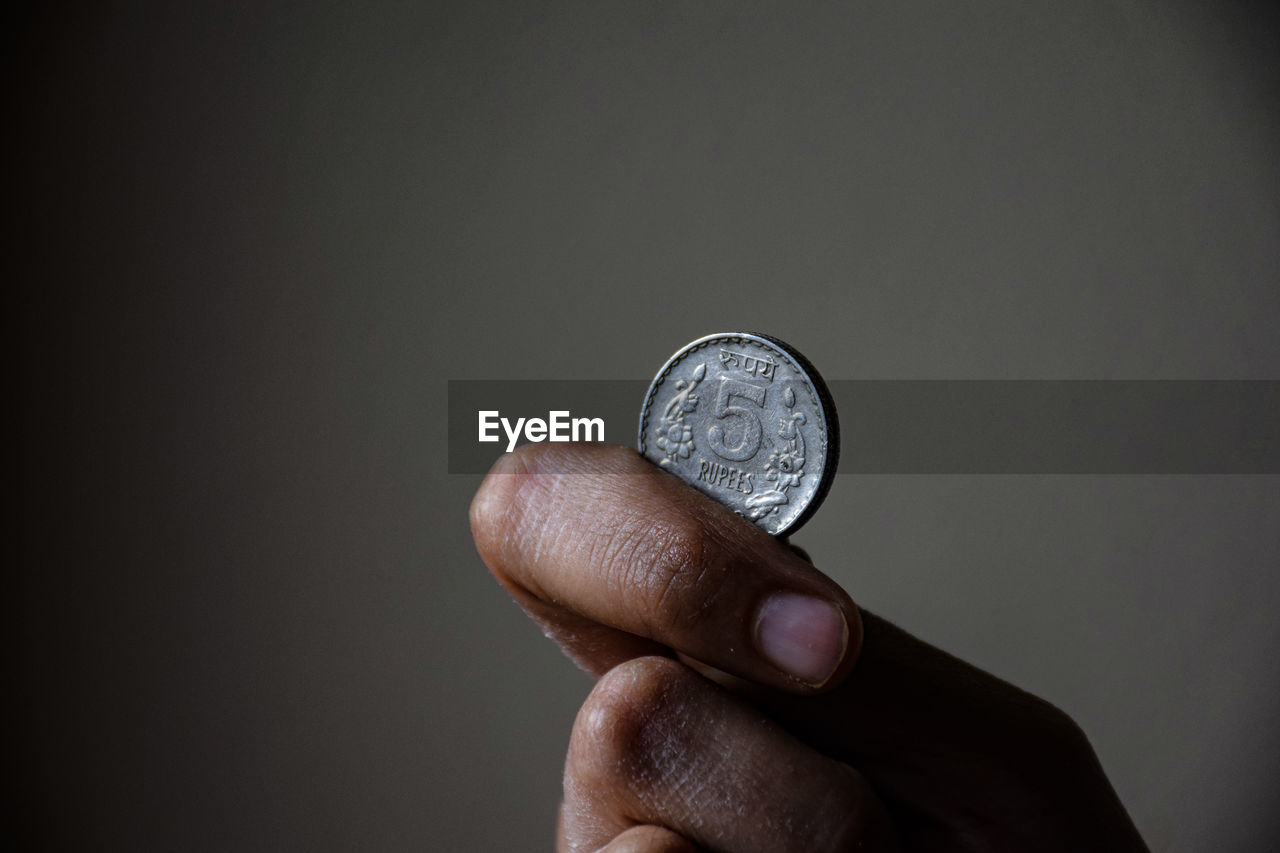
[{"x": 746, "y": 704}]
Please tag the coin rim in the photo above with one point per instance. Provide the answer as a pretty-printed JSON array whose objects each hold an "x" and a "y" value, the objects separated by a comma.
[{"x": 825, "y": 403}]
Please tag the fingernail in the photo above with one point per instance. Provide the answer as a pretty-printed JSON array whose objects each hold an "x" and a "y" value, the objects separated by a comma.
[{"x": 802, "y": 635}]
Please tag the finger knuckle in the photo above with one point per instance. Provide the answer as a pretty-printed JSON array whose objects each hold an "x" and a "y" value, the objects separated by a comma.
[
  {"x": 669, "y": 565},
  {"x": 1054, "y": 738},
  {"x": 1037, "y": 740},
  {"x": 623, "y": 721}
]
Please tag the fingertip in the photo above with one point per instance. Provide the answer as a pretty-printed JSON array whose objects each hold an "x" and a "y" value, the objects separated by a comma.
[
  {"x": 853, "y": 645},
  {"x": 494, "y": 503},
  {"x": 649, "y": 839}
]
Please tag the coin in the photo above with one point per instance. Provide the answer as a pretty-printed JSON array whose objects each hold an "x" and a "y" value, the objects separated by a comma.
[{"x": 745, "y": 419}]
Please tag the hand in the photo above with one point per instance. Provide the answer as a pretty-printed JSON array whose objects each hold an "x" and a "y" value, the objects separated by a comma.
[{"x": 746, "y": 704}]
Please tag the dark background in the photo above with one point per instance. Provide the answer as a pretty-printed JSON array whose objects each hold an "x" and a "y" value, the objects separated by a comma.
[{"x": 252, "y": 242}]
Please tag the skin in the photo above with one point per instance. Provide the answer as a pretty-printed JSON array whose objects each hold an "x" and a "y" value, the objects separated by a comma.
[{"x": 695, "y": 739}]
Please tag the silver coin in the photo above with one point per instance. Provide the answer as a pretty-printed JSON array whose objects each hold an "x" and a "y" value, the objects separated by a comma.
[{"x": 747, "y": 420}]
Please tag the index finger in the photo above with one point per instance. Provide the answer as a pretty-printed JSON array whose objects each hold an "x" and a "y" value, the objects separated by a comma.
[{"x": 596, "y": 531}]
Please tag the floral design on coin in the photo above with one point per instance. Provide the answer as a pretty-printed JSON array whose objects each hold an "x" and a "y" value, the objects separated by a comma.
[
  {"x": 764, "y": 439},
  {"x": 785, "y": 466},
  {"x": 674, "y": 436}
]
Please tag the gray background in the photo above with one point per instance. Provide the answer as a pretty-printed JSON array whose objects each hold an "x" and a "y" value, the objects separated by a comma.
[{"x": 252, "y": 242}]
